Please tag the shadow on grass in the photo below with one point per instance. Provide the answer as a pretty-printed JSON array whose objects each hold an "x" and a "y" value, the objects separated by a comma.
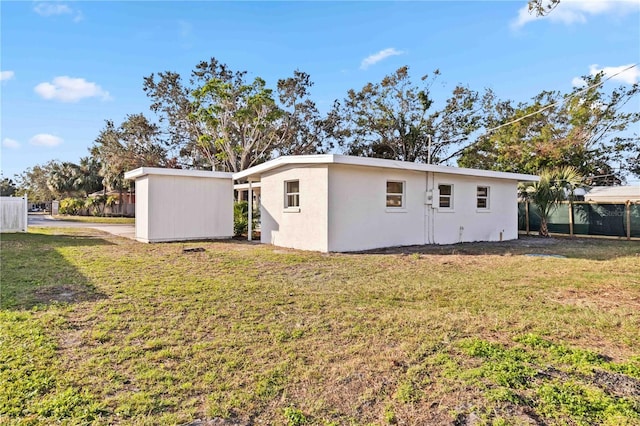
[
  {"x": 36, "y": 274},
  {"x": 558, "y": 247}
]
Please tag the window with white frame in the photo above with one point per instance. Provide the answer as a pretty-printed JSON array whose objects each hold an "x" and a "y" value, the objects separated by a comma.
[
  {"x": 292, "y": 193},
  {"x": 446, "y": 196},
  {"x": 482, "y": 197},
  {"x": 395, "y": 194}
]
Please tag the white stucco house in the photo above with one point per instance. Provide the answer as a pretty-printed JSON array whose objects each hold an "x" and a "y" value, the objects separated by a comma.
[
  {"x": 341, "y": 203},
  {"x": 180, "y": 205}
]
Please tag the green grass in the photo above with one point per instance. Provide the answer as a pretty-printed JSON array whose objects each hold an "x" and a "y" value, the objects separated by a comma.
[
  {"x": 95, "y": 329},
  {"x": 96, "y": 219}
]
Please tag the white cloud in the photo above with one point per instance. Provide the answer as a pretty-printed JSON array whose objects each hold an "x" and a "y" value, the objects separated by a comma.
[
  {"x": 45, "y": 139},
  {"x": 628, "y": 76},
  {"x": 10, "y": 143},
  {"x": 6, "y": 75},
  {"x": 54, "y": 8},
  {"x": 577, "y": 11},
  {"x": 50, "y": 9},
  {"x": 578, "y": 82},
  {"x": 377, "y": 57},
  {"x": 67, "y": 89}
]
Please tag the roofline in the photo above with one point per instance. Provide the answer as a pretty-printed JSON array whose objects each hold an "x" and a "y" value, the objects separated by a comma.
[
  {"x": 254, "y": 173},
  {"x": 158, "y": 171}
]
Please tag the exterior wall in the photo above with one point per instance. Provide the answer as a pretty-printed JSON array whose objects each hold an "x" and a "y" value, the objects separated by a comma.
[
  {"x": 13, "y": 214},
  {"x": 178, "y": 208},
  {"x": 466, "y": 223},
  {"x": 358, "y": 216},
  {"x": 142, "y": 209},
  {"x": 302, "y": 228}
]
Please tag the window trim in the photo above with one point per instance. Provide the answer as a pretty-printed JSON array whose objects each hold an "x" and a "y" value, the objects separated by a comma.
[
  {"x": 402, "y": 207},
  {"x": 287, "y": 207},
  {"x": 484, "y": 197},
  {"x": 450, "y": 196}
]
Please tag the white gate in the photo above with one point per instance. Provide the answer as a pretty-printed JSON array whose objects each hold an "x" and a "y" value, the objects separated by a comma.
[{"x": 13, "y": 214}]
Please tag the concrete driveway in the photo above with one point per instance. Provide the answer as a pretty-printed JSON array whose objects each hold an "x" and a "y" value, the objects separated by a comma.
[{"x": 121, "y": 230}]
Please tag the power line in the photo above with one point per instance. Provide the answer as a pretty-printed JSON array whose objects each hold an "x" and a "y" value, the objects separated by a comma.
[
  {"x": 562, "y": 100},
  {"x": 536, "y": 112}
]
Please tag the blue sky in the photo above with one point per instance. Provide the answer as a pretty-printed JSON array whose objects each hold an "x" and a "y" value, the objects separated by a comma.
[{"x": 68, "y": 66}]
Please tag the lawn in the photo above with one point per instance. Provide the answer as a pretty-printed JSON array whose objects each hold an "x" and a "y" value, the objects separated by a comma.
[
  {"x": 103, "y": 330},
  {"x": 96, "y": 219}
]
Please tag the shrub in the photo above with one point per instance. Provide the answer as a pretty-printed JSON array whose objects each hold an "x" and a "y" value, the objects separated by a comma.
[{"x": 71, "y": 206}]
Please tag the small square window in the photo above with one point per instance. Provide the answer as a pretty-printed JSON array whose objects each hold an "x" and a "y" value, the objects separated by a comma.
[
  {"x": 292, "y": 194},
  {"x": 482, "y": 197},
  {"x": 446, "y": 196},
  {"x": 395, "y": 194}
]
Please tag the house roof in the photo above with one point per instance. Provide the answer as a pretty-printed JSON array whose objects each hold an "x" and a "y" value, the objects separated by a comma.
[
  {"x": 613, "y": 193},
  {"x": 145, "y": 171},
  {"x": 254, "y": 173}
]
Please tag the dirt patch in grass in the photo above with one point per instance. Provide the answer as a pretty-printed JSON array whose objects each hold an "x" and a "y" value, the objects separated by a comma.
[{"x": 63, "y": 294}]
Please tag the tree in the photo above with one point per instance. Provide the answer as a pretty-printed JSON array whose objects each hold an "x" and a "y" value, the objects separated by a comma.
[
  {"x": 239, "y": 122},
  {"x": 305, "y": 130},
  {"x": 33, "y": 183},
  {"x": 587, "y": 129},
  {"x": 396, "y": 119},
  {"x": 135, "y": 143},
  {"x": 220, "y": 120},
  {"x": 62, "y": 179},
  {"x": 542, "y": 7},
  {"x": 554, "y": 186},
  {"x": 7, "y": 187}
]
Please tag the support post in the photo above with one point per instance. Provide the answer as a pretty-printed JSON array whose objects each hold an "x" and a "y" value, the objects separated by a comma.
[
  {"x": 250, "y": 213},
  {"x": 571, "y": 218},
  {"x": 25, "y": 208},
  {"x": 526, "y": 215},
  {"x": 628, "y": 212}
]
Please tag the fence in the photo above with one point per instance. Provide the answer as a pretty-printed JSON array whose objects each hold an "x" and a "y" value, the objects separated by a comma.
[
  {"x": 13, "y": 214},
  {"x": 583, "y": 218}
]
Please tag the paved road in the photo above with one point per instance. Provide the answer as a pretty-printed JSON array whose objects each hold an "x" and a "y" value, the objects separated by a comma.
[{"x": 121, "y": 230}]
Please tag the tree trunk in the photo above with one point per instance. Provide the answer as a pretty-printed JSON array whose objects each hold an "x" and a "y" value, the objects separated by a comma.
[{"x": 544, "y": 230}]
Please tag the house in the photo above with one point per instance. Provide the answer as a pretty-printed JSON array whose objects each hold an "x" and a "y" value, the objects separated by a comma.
[
  {"x": 613, "y": 194},
  {"x": 180, "y": 205},
  {"x": 340, "y": 203}
]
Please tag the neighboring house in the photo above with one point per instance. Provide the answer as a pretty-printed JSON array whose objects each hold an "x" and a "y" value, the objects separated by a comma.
[
  {"x": 341, "y": 203},
  {"x": 613, "y": 194},
  {"x": 179, "y": 205}
]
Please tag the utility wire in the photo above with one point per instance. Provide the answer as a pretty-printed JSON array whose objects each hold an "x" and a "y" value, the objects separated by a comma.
[
  {"x": 538, "y": 111},
  {"x": 562, "y": 100}
]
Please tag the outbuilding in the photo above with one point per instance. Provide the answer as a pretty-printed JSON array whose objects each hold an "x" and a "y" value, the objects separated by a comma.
[
  {"x": 335, "y": 203},
  {"x": 180, "y": 205}
]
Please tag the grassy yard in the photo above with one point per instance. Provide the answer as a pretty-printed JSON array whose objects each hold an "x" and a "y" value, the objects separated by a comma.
[
  {"x": 97, "y": 329},
  {"x": 96, "y": 219}
]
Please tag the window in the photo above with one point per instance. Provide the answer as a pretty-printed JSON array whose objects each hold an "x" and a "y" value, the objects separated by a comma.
[
  {"x": 482, "y": 197},
  {"x": 446, "y": 196},
  {"x": 292, "y": 193},
  {"x": 395, "y": 194}
]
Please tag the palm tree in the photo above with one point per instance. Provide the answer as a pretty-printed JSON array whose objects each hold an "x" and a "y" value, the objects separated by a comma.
[{"x": 554, "y": 186}]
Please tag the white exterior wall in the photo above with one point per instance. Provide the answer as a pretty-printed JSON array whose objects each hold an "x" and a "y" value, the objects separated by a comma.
[
  {"x": 358, "y": 216},
  {"x": 304, "y": 228},
  {"x": 179, "y": 208},
  {"x": 13, "y": 214},
  {"x": 465, "y": 222},
  {"x": 142, "y": 209}
]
